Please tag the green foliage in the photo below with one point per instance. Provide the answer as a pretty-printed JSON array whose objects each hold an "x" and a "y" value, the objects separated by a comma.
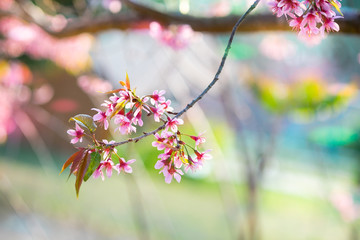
[
  {"x": 85, "y": 121},
  {"x": 304, "y": 98},
  {"x": 94, "y": 163}
]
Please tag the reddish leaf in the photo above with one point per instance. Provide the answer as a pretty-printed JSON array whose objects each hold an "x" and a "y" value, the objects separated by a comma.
[
  {"x": 71, "y": 159},
  {"x": 83, "y": 166},
  {"x": 76, "y": 162},
  {"x": 115, "y": 91}
]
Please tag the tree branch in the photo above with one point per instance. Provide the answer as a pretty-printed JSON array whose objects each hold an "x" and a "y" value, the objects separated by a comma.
[
  {"x": 139, "y": 16},
  {"x": 206, "y": 90}
]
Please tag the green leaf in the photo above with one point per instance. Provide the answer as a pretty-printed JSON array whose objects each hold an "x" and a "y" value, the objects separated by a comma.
[
  {"x": 94, "y": 163},
  {"x": 80, "y": 173},
  {"x": 85, "y": 121}
]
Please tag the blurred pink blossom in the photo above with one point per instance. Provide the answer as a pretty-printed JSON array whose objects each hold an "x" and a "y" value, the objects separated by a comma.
[
  {"x": 174, "y": 36},
  {"x": 20, "y": 38},
  {"x": 220, "y": 9},
  {"x": 344, "y": 203},
  {"x": 93, "y": 85},
  {"x": 6, "y": 4},
  {"x": 277, "y": 47}
]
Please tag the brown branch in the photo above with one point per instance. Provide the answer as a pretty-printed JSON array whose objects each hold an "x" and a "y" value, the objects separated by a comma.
[
  {"x": 350, "y": 24},
  {"x": 139, "y": 16},
  {"x": 206, "y": 90}
]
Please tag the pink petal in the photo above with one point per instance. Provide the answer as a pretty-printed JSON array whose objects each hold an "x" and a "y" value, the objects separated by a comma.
[
  {"x": 128, "y": 169},
  {"x": 168, "y": 178},
  {"x": 71, "y": 132},
  {"x": 177, "y": 177},
  {"x": 131, "y": 161}
]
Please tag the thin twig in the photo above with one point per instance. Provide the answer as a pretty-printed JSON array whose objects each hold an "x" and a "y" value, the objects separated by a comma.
[{"x": 207, "y": 89}]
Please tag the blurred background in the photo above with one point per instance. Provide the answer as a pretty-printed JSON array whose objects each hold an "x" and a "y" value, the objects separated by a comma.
[{"x": 282, "y": 122}]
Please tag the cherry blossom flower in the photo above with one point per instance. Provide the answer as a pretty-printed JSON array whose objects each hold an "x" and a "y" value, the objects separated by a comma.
[
  {"x": 201, "y": 156},
  {"x": 78, "y": 133},
  {"x": 124, "y": 165},
  {"x": 107, "y": 151},
  {"x": 124, "y": 123},
  {"x": 158, "y": 111},
  {"x": 108, "y": 165},
  {"x": 137, "y": 116},
  {"x": 329, "y": 25},
  {"x": 165, "y": 160},
  {"x": 101, "y": 117},
  {"x": 166, "y": 106},
  {"x": 193, "y": 165},
  {"x": 170, "y": 172},
  {"x": 173, "y": 123},
  {"x": 198, "y": 139},
  {"x": 157, "y": 97}
]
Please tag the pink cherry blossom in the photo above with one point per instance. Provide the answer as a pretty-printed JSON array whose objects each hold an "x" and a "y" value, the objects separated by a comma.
[
  {"x": 166, "y": 106},
  {"x": 201, "y": 156},
  {"x": 198, "y": 139},
  {"x": 124, "y": 165},
  {"x": 177, "y": 159},
  {"x": 165, "y": 160},
  {"x": 171, "y": 172},
  {"x": 124, "y": 123},
  {"x": 107, "y": 151},
  {"x": 109, "y": 107},
  {"x": 101, "y": 117},
  {"x": 295, "y": 23},
  {"x": 78, "y": 133},
  {"x": 173, "y": 124},
  {"x": 157, "y": 97},
  {"x": 193, "y": 165},
  {"x": 158, "y": 111},
  {"x": 329, "y": 25},
  {"x": 319, "y": 16},
  {"x": 108, "y": 165}
]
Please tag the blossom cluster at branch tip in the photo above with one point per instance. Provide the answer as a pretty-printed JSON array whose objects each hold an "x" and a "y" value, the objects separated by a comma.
[
  {"x": 125, "y": 109},
  {"x": 177, "y": 153},
  {"x": 311, "y": 18}
]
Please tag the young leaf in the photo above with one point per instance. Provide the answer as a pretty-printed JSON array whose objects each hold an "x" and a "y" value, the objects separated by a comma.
[
  {"x": 336, "y": 6},
  {"x": 119, "y": 106},
  {"x": 83, "y": 166},
  {"x": 85, "y": 121},
  {"x": 76, "y": 162},
  {"x": 72, "y": 158},
  {"x": 115, "y": 91},
  {"x": 94, "y": 163},
  {"x": 127, "y": 82}
]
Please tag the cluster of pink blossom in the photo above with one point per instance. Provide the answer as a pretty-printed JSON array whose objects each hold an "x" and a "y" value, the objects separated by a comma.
[
  {"x": 21, "y": 38},
  {"x": 174, "y": 36},
  {"x": 126, "y": 109},
  {"x": 312, "y": 18},
  {"x": 176, "y": 152}
]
